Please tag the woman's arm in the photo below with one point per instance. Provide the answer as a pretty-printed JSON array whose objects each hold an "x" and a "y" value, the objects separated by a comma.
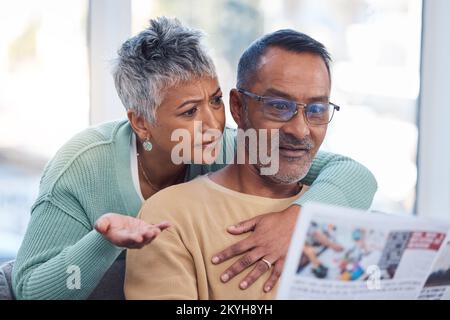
[
  {"x": 58, "y": 248},
  {"x": 339, "y": 180},
  {"x": 61, "y": 256}
]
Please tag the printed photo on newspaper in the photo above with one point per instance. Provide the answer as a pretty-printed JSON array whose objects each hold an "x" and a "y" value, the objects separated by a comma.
[
  {"x": 341, "y": 253},
  {"x": 437, "y": 284}
]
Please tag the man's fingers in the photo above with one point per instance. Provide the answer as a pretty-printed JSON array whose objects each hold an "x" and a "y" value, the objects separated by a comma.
[
  {"x": 240, "y": 265},
  {"x": 243, "y": 226},
  {"x": 260, "y": 268},
  {"x": 232, "y": 251},
  {"x": 275, "y": 276}
]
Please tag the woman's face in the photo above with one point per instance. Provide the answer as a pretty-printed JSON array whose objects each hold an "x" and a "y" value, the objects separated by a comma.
[{"x": 190, "y": 114}]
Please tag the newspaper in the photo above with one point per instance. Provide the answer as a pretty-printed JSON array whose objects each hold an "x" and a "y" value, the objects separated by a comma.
[
  {"x": 341, "y": 253},
  {"x": 437, "y": 284}
]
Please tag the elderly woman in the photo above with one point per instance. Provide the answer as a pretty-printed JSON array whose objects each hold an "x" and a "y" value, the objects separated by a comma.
[{"x": 95, "y": 185}]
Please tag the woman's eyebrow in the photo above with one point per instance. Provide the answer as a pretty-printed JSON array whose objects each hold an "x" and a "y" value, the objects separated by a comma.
[
  {"x": 188, "y": 102},
  {"x": 215, "y": 92},
  {"x": 197, "y": 100}
]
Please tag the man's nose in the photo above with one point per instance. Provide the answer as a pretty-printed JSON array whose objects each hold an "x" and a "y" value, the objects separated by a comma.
[{"x": 297, "y": 126}]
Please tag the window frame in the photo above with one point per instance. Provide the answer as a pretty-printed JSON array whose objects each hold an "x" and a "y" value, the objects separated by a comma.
[
  {"x": 433, "y": 155},
  {"x": 109, "y": 25}
]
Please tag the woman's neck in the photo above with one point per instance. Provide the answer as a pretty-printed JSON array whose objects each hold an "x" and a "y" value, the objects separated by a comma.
[{"x": 159, "y": 168}]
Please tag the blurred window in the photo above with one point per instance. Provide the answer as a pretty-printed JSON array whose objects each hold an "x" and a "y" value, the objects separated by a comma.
[
  {"x": 44, "y": 81},
  {"x": 44, "y": 99},
  {"x": 375, "y": 45}
]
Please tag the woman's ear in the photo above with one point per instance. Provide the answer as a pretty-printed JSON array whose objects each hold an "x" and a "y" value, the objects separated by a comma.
[
  {"x": 140, "y": 125},
  {"x": 237, "y": 108}
]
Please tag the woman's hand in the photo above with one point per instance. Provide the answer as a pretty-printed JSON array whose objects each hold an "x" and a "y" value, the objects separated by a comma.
[
  {"x": 269, "y": 241},
  {"x": 128, "y": 232}
]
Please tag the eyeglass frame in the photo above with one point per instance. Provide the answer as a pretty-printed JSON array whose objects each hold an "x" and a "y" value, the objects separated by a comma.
[{"x": 302, "y": 106}]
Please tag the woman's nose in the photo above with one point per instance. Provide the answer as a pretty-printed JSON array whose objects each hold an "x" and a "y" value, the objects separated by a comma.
[{"x": 210, "y": 119}]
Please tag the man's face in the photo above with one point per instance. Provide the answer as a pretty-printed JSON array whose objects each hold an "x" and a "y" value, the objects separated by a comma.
[{"x": 300, "y": 77}]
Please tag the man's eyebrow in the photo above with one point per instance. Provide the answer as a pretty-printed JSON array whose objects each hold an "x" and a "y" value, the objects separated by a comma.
[
  {"x": 278, "y": 93},
  {"x": 318, "y": 99},
  {"x": 197, "y": 100},
  {"x": 281, "y": 94}
]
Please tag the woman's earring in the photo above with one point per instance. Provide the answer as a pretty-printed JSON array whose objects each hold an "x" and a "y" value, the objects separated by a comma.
[{"x": 147, "y": 145}]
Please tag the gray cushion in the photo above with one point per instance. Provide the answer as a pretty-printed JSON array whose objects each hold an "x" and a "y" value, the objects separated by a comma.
[
  {"x": 5, "y": 281},
  {"x": 111, "y": 285}
]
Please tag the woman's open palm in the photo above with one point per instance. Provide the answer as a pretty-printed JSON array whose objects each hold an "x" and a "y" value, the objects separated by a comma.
[{"x": 128, "y": 232}]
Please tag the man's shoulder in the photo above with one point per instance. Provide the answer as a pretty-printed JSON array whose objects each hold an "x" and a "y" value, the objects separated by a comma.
[{"x": 175, "y": 202}]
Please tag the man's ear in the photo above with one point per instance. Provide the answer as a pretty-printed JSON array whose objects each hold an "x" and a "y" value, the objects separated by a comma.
[
  {"x": 140, "y": 125},
  {"x": 237, "y": 107}
]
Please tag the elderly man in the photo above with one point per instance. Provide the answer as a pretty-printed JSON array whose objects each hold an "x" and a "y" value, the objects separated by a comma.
[{"x": 283, "y": 84}]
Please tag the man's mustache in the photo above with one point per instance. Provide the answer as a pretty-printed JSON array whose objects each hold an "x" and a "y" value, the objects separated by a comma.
[{"x": 290, "y": 142}]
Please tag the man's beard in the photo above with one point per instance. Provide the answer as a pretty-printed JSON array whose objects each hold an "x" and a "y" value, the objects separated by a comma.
[{"x": 303, "y": 164}]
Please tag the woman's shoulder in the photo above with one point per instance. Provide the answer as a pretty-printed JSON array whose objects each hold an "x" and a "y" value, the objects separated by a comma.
[
  {"x": 87, "y": 148},
  {"x": 92, "y": 136}
]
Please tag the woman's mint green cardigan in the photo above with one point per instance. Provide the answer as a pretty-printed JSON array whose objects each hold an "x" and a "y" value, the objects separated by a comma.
[{"x": 91, "y": 175}]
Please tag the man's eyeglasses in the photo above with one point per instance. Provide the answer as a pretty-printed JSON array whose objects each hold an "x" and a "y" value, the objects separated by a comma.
[{"x": 279, "y": 109}]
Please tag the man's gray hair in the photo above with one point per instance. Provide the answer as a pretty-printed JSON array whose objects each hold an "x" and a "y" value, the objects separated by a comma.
[{"x": 165, "y": 54}]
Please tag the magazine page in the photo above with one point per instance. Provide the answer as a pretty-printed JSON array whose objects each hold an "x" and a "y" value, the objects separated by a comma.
[
  {"x": 341, "y": 253},
  {"x": 437, "y": 284}
]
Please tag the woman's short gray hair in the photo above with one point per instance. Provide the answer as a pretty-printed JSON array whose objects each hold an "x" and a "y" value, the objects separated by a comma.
[{"x": 164, "y": 54}]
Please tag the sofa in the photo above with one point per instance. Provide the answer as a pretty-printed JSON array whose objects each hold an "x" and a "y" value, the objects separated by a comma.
[{"x": 6, "y": 292}]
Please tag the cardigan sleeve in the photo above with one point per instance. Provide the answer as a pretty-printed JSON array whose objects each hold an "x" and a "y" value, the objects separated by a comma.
[
  {"x": 339, "y": 180},
  {"x": 57, "y": 246}
]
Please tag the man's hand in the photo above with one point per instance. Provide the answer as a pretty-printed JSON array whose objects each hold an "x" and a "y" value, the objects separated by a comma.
[
  {"x": 269, "y": 241},
  {"x": 128, "y": 232}
]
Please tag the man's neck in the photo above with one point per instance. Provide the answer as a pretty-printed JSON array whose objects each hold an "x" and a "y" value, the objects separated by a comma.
[{"x": 246, "y": 178}]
